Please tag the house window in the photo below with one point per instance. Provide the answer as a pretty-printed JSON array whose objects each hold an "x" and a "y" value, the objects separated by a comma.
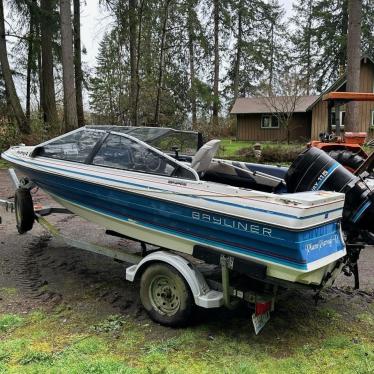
[
  {"x": 269, "y": 121},
  {"x": 341, "y": 120},
  {"x": 372, "y": 119}
]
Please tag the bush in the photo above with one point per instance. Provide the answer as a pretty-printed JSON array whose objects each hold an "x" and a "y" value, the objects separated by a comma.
[
  {"x": 9, "y": 135},
  {"x": 272, "y": 153},
  {"x": 276, "y": 153}
]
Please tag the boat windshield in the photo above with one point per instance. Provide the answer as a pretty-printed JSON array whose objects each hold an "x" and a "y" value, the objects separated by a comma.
[
  {"x": 162, "y": 138},
  {"x": 75, "y": 146},
  {"x": 114, "y": 150},
  {"x": 120, "y": 152}
]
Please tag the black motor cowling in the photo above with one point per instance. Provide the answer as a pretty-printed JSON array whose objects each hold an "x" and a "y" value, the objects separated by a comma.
[{"x": 315, "y": 170}]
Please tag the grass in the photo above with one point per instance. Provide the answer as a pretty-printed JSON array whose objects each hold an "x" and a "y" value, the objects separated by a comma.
[
  {"x": 4, "y": 164},
  {"x": 230, "y": 148},
  {"x": 272, "y": 152},
  {"x": 9, "y": 322},
  {"x": 41, "y": 343}
]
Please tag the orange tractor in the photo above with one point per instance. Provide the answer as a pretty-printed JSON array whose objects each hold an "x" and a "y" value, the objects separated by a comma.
[{"x": 347, "y": 148}]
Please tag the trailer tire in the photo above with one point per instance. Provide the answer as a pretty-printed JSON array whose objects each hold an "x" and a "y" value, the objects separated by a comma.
[
  {"x": 165, "y": 295},
  {"x": 348, "y": 159},
  {"x": 24, "y": 209}
]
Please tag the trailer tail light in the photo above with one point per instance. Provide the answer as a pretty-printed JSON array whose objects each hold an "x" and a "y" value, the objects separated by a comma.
[
  {"x": 262, "y": 307},
  {"x": 261, "y": 315}
]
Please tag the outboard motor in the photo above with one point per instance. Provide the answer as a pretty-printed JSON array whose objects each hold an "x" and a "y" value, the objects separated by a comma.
[{"x": 315, "y": 170}]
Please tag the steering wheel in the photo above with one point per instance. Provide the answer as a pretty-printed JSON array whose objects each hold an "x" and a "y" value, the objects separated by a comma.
[
  {"x": 152, "y": 162},
  {"x": 137, "y": 157}
]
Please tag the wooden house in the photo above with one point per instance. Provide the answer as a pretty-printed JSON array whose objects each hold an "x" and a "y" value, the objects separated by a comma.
[{"x": 255, "y": 118}]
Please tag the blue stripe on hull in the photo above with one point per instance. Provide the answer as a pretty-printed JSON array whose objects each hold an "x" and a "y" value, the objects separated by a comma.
[
  {"x": 290, "y": 248},
  {"x": 107, "y": 179}
]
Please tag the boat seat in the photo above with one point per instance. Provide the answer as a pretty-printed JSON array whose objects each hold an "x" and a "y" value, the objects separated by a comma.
[{"x": 203, "y": 157}]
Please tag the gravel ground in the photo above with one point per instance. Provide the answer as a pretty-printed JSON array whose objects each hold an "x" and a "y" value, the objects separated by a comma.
[{"x": 36, "y": 270}]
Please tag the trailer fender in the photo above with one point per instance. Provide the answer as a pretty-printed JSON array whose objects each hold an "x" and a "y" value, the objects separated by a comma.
[{"x": 203, "y": 295}]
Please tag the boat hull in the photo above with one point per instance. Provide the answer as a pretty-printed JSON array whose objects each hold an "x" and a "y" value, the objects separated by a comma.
[
  {"x": 294, "y": 255},
  {"x": 297, "y": 237},
  {"x": 138, "y": 231}
]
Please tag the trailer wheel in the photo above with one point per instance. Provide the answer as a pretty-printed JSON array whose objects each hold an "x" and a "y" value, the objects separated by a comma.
[
  {"x": 24, "y": 209},
  {"x": 165, "y": 295}
]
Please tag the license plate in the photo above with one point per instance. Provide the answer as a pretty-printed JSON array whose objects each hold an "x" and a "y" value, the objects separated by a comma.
[{"x": 260, "y": 320}]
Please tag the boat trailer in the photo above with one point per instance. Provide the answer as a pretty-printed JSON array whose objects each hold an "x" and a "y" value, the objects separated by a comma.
[{"x": 206, "y": 291}]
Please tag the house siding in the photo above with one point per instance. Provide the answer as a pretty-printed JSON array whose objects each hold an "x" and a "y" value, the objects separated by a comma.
[
  {"x": 366, "y": 85},
  {"x": 319, "y": 118},
  {"x": 320, "y": 110},
  {"x": 249, "y": 128}
]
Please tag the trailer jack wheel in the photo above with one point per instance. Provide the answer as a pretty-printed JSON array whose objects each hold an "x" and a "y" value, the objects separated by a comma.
[
  {"x": 165, "y": 295},
  {"x": 24, "y": 209}
]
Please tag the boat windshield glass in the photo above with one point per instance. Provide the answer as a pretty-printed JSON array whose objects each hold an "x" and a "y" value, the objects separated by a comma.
[
  {"x": 185, "y": 142},
  {"x": 74, "y": 146},
  {"x": 120, "y": 152},
  {"x": 162, "y": 138}
]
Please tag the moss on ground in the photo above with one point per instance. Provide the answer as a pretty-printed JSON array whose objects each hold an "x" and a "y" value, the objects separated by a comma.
[{"x": 63, "y": 341}]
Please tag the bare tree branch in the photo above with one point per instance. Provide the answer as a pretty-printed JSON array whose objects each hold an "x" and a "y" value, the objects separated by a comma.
[{"x": 284, "y": 99}]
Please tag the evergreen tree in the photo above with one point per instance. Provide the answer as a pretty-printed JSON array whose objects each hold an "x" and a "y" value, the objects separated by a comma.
[
  {"x": 48, "y": 20},
  {"x": 367, "y": 28},
  {"x": 274, "y": 44},
  {"x": 107, "y": 96},
  {"x": 320, "y": 39},
  {"x": 256, "y": 58},
  {"x": 304, "y": 49}
]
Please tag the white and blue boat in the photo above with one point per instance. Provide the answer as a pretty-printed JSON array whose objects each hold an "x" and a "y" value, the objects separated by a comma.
[{"x": 123, "y": 179}]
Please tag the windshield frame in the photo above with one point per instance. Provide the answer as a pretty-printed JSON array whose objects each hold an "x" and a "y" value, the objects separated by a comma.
[
  {"x": 162, "y": 154},
  {"x": 97, "y": 146}
]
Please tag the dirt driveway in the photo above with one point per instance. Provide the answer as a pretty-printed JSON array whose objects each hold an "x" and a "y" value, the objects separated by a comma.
[{"x": 44, "y": 272}]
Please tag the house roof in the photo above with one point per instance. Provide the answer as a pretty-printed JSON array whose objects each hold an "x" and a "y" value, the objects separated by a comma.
[
  {"x": 247, "y": 105},
  {"x": 340, "y": 82}
]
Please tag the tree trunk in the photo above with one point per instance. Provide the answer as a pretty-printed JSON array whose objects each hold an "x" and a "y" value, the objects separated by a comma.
[
  {"x": 309, "y": 47},
  {"x": 271, "y": 67},
  {"x": 133, "y": 41},
  {"x": 140, "y": 26},
  {"x": 48, "y": 83},
  {"x": 40, "y": 77},
  {"x": 78, "y": 62},
  {"x": 191, "y": 49},
  {"x": 216, "y": 64},
  {"x": 353, "y": 62},
  {"x": 8, "y": 79},
  {"x": 161, "y": 66},
  {"x": 70, "y": 104},
  {"x": 344, "y": 32},
  {"x": 238, "y": 53},
  {"x": 29, "y": 65}
]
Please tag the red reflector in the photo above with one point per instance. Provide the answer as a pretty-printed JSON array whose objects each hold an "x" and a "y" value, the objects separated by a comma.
[{"x": 262, "y": 308}]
